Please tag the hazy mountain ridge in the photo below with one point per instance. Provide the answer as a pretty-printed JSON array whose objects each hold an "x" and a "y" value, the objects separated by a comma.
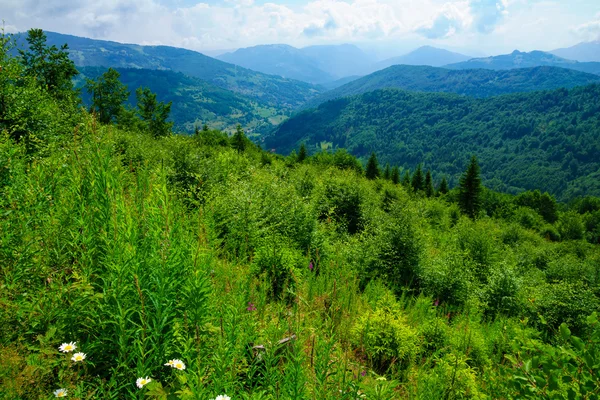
[
  {"x": 582, "y": 52},
  {"x": 279, "y": 59},
  {"x": 476, "y": 83},
  {"x": 425, "y": 55},
  {"x": 518, "y": 59}
]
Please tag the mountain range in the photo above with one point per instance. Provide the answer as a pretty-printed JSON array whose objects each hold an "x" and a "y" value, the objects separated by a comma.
[
  {"x": 519, "y": 59},
  {"x": 476, "y": 83},
  {"x": 272, "y": 90}
]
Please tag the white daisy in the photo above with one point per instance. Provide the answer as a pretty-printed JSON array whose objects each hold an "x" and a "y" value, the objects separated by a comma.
[
  {"x": 170, "y": 363},
  {"x": 223, "y": 397},
  {"x": 67, "y": 347},
  {"x": 178, "y": 364},
  {"x": 60, "y": 393},
  {"x": 78, "y": 357},
  {"x": 141, "y": 382}
]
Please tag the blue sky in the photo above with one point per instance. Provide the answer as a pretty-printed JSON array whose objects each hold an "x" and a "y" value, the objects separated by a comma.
[{"x": 388, "y": 27}]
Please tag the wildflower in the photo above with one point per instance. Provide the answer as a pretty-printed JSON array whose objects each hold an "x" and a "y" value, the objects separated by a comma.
[
  {"x": 178, "y": 364},
  {"x": 311, "y": 266},
  {"x": 436, "y": 302},
  {"x": 67, "y": 347},
  {"x": 223, "y": 397},
  {"x": 251, "y": 307},
  {"x": 60, "y": 393},
  {"x": 78, "y": 357},
  {"x": 141, "y": 382},
  {"x": 363, "y": 373}
]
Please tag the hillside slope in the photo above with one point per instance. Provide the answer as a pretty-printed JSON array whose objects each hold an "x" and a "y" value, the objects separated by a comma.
[
  {"x": 195, "y": 102},
  {"x": 546, "y": 140},
  {"x": 583, "y": 52},
  {"x": 519, "y": 59},
  {"x": 272, "y": 90},
  {"x": 477, "y": 83}
]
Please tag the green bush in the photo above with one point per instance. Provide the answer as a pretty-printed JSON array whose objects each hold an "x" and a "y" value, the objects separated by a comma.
[{"x": 570, "y": 226}]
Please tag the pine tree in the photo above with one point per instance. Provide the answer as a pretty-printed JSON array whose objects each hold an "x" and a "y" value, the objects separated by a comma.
[
  {"x": 108, "y": 95},
  {"x": 302, "y": 153},
  {"x": 204, "y": 128},
  {"x": 406, "y": 180},
  {"x": 387, "y": 173},
  {"x": 469, "y": 196},
  {"x": 238, "y": 141},
  {"x": 418, "y": 180},
  {"x": 153, "y": 113},
  {"x": 429, "y": 192},
  {"x": 372, "y": 171},
  {"x": 443, "y": 187},
  {"x": 395, "y": 175}
]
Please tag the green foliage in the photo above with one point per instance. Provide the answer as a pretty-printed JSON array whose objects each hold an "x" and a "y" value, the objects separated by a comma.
[
  {"x": 238, "y": 141},
  {"x": 153, "y": 114},
  {"x": 429, "y": 191},
  {"x": 443, "y": 187},
  {"x": 385, "y": 337},
  {"x": 469, "y": 195},
  {"x": 108, "y": 95},
  {"x": 49, "y": 66},
  {"x": 570, "y": 226},
  {"x": 418, "y": 180},
  {"x": 544, "y": 204},
  {"x": 395, "y": 175},
  {"x": 302, "y": 153}
]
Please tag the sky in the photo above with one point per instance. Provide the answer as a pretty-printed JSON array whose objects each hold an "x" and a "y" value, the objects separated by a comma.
[{"x": 385, "y": 27}]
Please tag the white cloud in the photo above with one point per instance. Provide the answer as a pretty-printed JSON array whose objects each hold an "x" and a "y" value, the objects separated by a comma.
[{"x": 590, "y": 30}]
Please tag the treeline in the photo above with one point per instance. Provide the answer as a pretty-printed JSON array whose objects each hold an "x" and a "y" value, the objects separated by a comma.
[{"x": 541, "y": 140}]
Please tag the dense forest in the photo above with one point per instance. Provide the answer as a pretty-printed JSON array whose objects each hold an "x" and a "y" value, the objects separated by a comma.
[
  {"x": 474, "y": 83},
  {"x": 543, "y": 140},
  {"x": 195, "y": 101},
  {"x": 137, "y": 263}
]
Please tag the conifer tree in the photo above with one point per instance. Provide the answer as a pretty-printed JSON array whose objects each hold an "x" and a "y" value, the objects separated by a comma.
[
  {"x": 204, "y": 128},
  {"x": 443, "y": 187},
  {"x": 372, "y": 171},
  {"x": 429, "y": 192},
  {"x": 395, "y": 175},
  {"x": 406, "y": 180},
  {"x": 302, "y": 153},
  {"x": 387, "y": 173},
  {"x": 418, "y": 180},
  {"x": 108, "y": 95},
  {"x": 238, "y": 141},
  {"x": 469, "y": 196}
]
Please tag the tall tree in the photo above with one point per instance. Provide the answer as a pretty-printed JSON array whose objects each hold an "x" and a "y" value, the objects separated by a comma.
[
  {"x": 372, "y": 171},
  {"x": 469, "y": 195},
  {"x": 50, "y": 66},
  {"x": 443, "y": 187},
  {"x": 387, "y": 173},
  {"x": 418, "y": 180},
  {"x": 395, "y": 175},
  {"x": 302, "y": 153},
  {"x": 108, "y": 95},
  {"x": 238, "y": 141},
  {"x": 406, "y": 180},
  {"x": 429, "y": 192},
  {"x": 153, "y": 114}
]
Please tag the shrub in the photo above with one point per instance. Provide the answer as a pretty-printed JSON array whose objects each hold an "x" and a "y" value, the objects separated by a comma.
[
  {"x": 385, "y": 336},
  {"x": 570, "y": 226}
]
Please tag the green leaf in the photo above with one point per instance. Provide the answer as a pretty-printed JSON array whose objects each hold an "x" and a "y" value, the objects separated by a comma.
[{"x": 565, "y": 332}]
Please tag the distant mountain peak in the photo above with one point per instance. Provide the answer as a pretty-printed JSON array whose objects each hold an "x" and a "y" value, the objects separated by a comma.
[{"x": 424, "y": 55}]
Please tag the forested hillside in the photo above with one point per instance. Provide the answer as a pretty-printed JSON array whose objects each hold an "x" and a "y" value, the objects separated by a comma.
[
  {"x": 195, "y": 102},
  {"x": 546, "y": 140},
  {"x": 139, "y": 264},
  {"x": 476, "y": 83},
  {"x": 268, "y": 89}
]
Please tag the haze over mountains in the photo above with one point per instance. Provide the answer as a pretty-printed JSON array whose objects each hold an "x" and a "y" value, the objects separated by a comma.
[
  {"x": 582, "y": 52},
  {"x": 425, "y": 55}
]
